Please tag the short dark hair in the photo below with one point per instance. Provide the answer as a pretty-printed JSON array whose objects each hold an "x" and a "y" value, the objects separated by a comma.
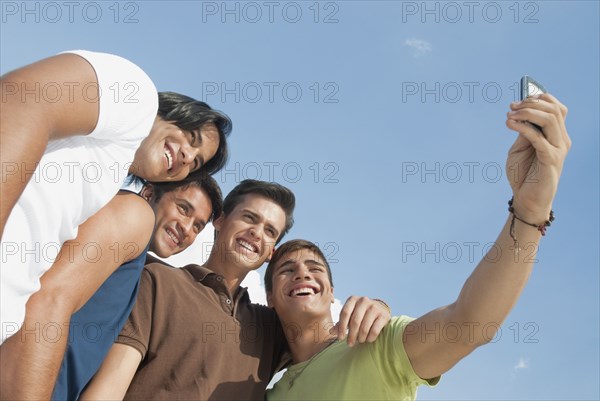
[
  {"x": 191, "y": 114},
  {"x": 279, "y": 194},
  {"x": 288, "y": 247},
  {"x": 202, "y": 181}
]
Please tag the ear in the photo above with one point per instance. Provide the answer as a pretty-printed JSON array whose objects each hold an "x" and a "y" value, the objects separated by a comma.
[
  {"x": 147, "y": 192},
  {"x": 270, "y": 255},
  {"x": 269, "y": 301},
  {"x": 218, "y": 222}
]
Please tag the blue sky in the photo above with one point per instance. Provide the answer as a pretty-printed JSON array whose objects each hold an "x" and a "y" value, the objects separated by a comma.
[{"x": 387, "y": 120}]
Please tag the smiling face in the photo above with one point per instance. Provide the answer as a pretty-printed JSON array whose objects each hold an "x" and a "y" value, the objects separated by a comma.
[
  {"x": 180, "y": 216},
  {"x": 247, "y": 235},
  {"x": 169, "y": 153},
  {"x": 301, "y": 288}
]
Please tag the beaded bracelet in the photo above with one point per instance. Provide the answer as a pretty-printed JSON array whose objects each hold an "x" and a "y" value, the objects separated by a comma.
[{"x": 540, "y": 227}]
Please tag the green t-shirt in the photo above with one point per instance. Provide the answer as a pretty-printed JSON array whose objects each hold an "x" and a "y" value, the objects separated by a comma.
[{"x": 375, "y": 371}]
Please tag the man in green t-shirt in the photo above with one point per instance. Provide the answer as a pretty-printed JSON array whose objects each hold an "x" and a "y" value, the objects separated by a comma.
[
  {"x": 412, "y": 352},
  {"x": 299, "y": 287}
]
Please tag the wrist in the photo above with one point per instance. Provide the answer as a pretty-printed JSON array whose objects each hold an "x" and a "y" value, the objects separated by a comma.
[
  {"x": 536, "y": 219},
  {"x": 530, "y": 210}
]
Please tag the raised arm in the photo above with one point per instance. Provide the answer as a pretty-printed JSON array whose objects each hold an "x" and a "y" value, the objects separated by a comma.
[
  {"x": 115, "y": 375},
  {"x": 534, "y": 166},
  {"x": 31, "y": 358},
  {"x": 53, "y": 98}
]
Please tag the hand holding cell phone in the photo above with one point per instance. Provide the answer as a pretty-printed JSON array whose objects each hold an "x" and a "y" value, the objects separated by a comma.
[{"x": 530, "y": 87}]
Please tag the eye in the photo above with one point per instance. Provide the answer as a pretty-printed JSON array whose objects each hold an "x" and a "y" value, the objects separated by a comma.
[
  {"x": 183, "y": 208},
  {"x": 198, "y": 227},
  {"x": 270, "y": 232},
  {"x": 193, "y": 135},
  {"x": 197, "y": 164}
]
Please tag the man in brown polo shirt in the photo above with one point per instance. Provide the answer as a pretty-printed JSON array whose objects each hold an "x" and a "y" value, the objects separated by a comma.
[{"x": 193, "y": 333}]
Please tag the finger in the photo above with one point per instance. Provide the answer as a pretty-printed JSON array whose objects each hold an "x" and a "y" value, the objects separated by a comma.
[
  {"x": 365, "y": 325},
  {"x": 544, "y": 101},
  {"x": 550, "y": 115},
  {"x": 355, "y": 322},
  {"x": 376, "y": 328},
  {"x": 542, "y": 148},
  {"x": 563, "y": 112},
  {"x": 548, "y": 121},
  {"x": 551, "y": 99},
  {"x": 532, "y": 134},
  {"x": 345, "y": 315}
]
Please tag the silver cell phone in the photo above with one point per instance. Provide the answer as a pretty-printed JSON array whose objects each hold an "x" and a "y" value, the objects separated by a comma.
[{"x": 531, "y": 87}]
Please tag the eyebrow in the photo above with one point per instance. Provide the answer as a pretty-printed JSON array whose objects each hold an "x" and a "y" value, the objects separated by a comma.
[
  {"x": 267, "y": 224},
  {"x": 187, "y": 203},
  {"x": 246, "y": 210},
  {"x": 307, "y": 261}
]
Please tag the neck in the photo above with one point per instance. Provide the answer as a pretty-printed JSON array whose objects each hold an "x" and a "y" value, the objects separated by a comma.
[
  {"x": 233, "y": 274},
  {"x": 308, "y": 338}
]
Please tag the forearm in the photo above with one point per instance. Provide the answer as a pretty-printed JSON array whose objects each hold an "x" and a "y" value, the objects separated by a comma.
[
  {"x": 497, "y": 282},
  {"x": 35, "y": 356},
  {"x": 31, "y": 358},
  {"x": 484, "y": 302}
]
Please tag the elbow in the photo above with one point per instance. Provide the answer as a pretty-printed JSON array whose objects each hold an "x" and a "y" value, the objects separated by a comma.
[
  {"x": 471, "y": 331},
  {"x": 477, "y": 334},
  {"x": 52, "y": 303}
]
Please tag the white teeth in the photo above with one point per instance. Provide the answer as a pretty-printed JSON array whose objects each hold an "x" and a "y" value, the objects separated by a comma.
[
  {"x": 169, "y": 158},
  {"x": 303, "y": 290},
  {"x": 173, "y": 237},
  {"x": 247, "y": 245}
]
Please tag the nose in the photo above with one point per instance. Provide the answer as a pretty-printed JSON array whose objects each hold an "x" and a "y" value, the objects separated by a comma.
[
  {"x": 187, "y": 225},
  {"x": 188, "y": 153},
  {"x": 302, "y": 273},
  {"x": 256, "y": 231}
]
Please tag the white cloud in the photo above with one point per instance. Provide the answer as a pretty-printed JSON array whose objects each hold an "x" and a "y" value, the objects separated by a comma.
[
  {"x": 421, "y": 47},
  {"x": 522, "y": 364}
]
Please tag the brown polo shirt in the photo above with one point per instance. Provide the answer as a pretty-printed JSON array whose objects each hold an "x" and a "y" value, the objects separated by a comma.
[{"x": 198, "y": 342}]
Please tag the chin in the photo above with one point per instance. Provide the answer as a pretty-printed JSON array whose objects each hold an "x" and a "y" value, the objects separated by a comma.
[
  {"x": 164, "y": 254},
  {"x": 250, "y": 264}
]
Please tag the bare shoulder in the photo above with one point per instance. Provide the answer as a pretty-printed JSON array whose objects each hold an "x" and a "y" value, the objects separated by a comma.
[
  {"x": 60, "y": 93},
  {"x": 133, "y": 214}
]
